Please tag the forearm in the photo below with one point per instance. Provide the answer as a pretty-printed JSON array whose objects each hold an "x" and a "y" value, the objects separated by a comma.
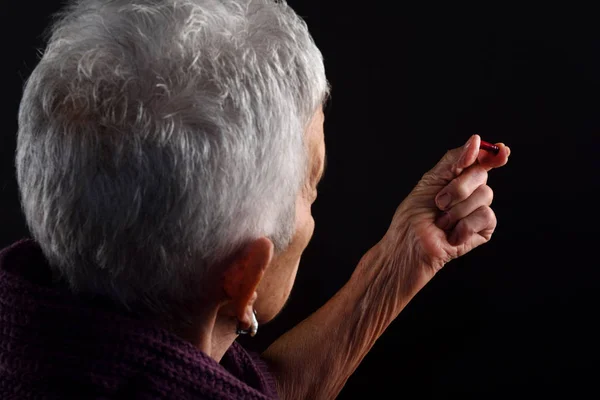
[{"x": 315, "y": 359}]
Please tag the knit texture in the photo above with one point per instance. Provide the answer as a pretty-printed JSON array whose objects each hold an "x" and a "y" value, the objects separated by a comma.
[{"x": 54, "y": 345}]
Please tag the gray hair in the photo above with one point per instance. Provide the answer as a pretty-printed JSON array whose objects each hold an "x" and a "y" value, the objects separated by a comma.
[{"x": 157, "y": 137}]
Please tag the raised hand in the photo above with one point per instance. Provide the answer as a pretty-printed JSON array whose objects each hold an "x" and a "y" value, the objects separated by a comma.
[{"x": 446, "y": 215}]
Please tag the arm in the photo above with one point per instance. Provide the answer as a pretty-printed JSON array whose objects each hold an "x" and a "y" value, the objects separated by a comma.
[{"x": 315, "y": 359}]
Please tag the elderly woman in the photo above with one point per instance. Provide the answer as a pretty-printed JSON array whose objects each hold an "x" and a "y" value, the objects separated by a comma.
[{"x": 168, "y": 156}]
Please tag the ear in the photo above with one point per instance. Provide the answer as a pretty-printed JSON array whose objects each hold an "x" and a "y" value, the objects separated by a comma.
[{"x": 244, "y": 274}]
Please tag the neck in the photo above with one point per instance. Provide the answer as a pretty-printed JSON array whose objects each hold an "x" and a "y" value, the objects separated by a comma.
[{"x": 211, "y": 333}]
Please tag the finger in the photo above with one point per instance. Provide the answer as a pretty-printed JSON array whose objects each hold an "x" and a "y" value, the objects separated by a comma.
[
  {"x": 482, "y": 196},
  {"x": 477, "y": 226},
  {"x": 471, "y": 153},
  {"x": 490, "y": 160},
  {"x": 456, "y": 160},
  {"x": 461, "y": 187}
]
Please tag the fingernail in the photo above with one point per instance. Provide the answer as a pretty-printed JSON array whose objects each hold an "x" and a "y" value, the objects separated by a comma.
[
  {"x": 443, "y": 200},
  {"x": 465, "y": 150},
  {"x": 468, "y": 142},
  {"x": 444, "y": 221},
  {"x": 467, "y": 145}
]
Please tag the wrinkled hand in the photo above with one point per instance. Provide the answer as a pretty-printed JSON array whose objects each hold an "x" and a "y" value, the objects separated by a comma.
[{"x": 448, "y": 213}]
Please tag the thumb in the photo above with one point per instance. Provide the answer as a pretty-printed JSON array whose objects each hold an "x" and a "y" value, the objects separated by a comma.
[{"x": 456, "y": 160}]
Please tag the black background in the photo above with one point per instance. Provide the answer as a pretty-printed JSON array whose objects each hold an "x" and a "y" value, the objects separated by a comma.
[{"x": 517, "y": 315}]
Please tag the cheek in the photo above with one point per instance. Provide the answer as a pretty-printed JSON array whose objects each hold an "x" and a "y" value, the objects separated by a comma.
[
  {"x": 279, "y": 279},
  {"x": 305, "y": 225}
]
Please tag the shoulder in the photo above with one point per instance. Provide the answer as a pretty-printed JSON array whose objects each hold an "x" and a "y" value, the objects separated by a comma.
[{"x": 251, "y": 368}]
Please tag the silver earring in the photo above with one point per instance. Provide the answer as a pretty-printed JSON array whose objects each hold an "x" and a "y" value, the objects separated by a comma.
[{"x": 253, "y": 326}]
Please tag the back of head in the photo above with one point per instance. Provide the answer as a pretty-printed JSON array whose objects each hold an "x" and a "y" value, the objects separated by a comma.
[{"x": 156, "y": 137}]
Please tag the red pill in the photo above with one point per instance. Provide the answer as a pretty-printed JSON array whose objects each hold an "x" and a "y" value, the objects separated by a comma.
[{"x": 489, "y": 147}]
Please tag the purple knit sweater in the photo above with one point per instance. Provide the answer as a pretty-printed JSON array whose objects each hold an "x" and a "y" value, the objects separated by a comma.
[{"x": 54, "y": 345}]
